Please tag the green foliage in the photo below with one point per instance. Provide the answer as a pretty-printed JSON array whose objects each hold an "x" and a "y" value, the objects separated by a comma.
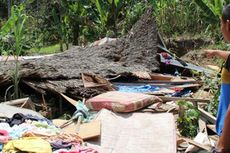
[
  {"x": 178, "y": 17},
  {"x": 71, "y": 17},
  {"x": 214, "y": 88},
  {"x": 212, "y": 11},
  {"x": 81, "y": 22},
  {"x": 110, "y": 12},
  {"x": 132, "y": 15},
  {"x": 70, "y": 21},
  {"x": 15, "y": 26},
  {"x": 187, "y": 121}
]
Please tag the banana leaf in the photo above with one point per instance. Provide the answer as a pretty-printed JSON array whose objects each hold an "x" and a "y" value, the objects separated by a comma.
[
  {"x": 7, "y": 27},
  {"x": 211, "y": 14}
]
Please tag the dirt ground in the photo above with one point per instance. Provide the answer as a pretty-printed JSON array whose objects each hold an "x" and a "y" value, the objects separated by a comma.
[
  {"x": 191, "y": 49},
  {"x": 198, "y": 57}
]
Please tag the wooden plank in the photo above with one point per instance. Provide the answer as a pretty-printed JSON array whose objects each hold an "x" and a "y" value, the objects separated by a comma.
[
  {"x": 166, "y": 81},
  {"x": 214, "y": 67},
  {"x": 202, "y": 126},
  {"x": 207, "y": 116},
  {"x": 199, "y": 145},
  {"x": 70, "y": 100},
  {"x": 142, "y": 75},
  {"x": 212, "y": 127},
  {"x": 94, "y": 81},
  {"x": 161, "y": 39},
  {"x": 156, "y": 76},
  {"x": 166, "y": 99},
  {"x": 32, "y": 85},
  {"x": 86, "y": 130},
  {"x": 214, "y": 137},
  {"x": 186, "y": 86},
  {"x": 23, "y": 103}
]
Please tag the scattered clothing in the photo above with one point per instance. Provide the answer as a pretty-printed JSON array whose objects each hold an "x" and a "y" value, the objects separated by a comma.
[
  {"x": 17, "y": 131},
  {"x": 77, "y": 149},
  {"x": 20, "y": 118},
  {"x": 28, "y": 144},
  {"x": 17, "y": 119},
  {"x": 27, "y": 133},
  {"x": 4, "y": 136},
  {"x": 67, "y": 138},
  {"x": 40, "y": 119},
  {"x": 59, "y": 144}
]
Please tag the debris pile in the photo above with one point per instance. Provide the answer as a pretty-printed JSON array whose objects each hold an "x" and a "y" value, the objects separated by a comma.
[
  {"x": 135, "y": 52},
  {"x": 116, "y": 75}
]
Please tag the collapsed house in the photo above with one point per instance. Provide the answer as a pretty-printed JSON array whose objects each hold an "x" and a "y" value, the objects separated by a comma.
[
  {"x": 135, "y": 52},
  {"x": 85, "y": 72}
]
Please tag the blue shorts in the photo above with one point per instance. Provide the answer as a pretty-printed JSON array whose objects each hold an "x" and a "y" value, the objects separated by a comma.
[{"x": 223, "y": 107}]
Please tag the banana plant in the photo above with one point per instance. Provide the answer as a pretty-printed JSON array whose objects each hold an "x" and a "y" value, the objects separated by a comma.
[
  {"x": 108, "y": 12},
  {"x": 212, "y": 9},
  {"x": 73, "y": 15},
  {"x": 62, "y": 25}
]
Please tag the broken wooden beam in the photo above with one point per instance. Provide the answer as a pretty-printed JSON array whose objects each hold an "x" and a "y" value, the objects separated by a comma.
[
  {"x": 199, "y": 145},
  {"x": 23, "y": 103},
  {"x": 168, "y": 81},
  {"x": 166, "y": 99},
  {"x": 70, "y": 100},
  {"x": 202, "y": 126},
  {"x": 212, "y": 127},
  {"x": 207, "y": 116}
]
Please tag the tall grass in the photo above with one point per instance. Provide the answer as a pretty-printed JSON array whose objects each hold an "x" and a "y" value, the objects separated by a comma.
[{"x": 176, "y": 17}]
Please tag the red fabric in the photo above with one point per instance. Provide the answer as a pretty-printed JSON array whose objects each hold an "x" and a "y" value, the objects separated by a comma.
[
  {"x": 166, "y": 55},
  {"x": 121, "y": 101}
]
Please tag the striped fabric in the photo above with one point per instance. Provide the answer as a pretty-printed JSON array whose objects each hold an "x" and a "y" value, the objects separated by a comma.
[{"x": 121, "y": 101}]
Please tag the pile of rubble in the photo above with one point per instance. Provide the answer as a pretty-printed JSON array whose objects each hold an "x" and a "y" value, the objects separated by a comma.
[{"x": 118, "y": 75}]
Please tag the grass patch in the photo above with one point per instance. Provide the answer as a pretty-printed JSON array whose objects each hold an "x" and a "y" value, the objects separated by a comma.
[{"x": 45, "y": 50}]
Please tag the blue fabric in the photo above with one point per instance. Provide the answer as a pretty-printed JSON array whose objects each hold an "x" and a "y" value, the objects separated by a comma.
[
  {"x": 139, "y": 89},
  {"x": 223, "y": 107},
  {"x": 182, "y": 93}
]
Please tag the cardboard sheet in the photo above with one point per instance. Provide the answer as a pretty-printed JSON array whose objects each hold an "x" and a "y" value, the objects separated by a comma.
[
  {"x": 136, "y": 133},
  {"x": 9, "y": 111},
  {"x": 87, "y": 130}
]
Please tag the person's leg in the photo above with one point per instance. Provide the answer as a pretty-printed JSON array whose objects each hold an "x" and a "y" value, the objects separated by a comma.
[{"x": 224, "y": 142}]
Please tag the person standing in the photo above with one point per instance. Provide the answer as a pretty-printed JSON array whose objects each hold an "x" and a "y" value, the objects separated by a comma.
[{"x": 223, "y": 113}]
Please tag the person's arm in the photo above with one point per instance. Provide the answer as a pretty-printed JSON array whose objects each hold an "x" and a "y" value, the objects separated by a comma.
[{"x": 217, "y": 53}]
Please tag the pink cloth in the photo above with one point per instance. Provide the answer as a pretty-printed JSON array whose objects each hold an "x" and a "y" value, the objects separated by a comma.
[
  {"x": 69, "y": 152},
  {"x": 4, "y": 136}
]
